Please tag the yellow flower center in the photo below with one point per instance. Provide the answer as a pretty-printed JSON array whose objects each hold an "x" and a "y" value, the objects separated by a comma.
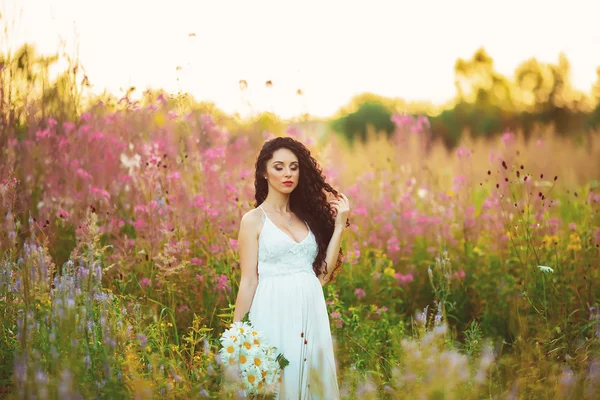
[
  {"x": 257, "y": 361},
  {"x": 230, "y": 349},
  {"x": 243, "y": 359},
  {"x": 251, "y": 378},
  {"x": 247, "y": 345}
]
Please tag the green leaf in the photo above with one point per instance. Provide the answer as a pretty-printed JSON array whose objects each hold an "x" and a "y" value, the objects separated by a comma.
[
  {"x": 246, "y": 317},
  {"x": 283, "y": 362}
]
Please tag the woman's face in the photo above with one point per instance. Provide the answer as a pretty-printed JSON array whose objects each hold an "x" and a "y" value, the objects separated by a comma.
[{"x": 281, "y": 168}]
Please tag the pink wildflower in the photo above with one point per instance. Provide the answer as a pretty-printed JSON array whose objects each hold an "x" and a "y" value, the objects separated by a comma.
[
  {"x": 139, "y": 223},
  {"x": 145, "y": 283},
  {"x": 403, "y": 278},
  {"x": 360, "y": 211},
  {"x": 508, "y": 138},
  {"x": 402, "y": 120},
  {"x": 98, "y": 136},
  {"x": 183, "y": 308},
  {"x": 198, "y": 201},
  {"x": 461, "y": 152},
  {"x": 459, "y": 274},
  {"x": 214, "y": 153},
  {"x": 293, "y": 132},
  {"x": 423, "y": 122},
  {"x": 83, "y": 173},
  {"x": 174, "y": 176},
  {"x": 42, "y": 134},
  {"x": 393, "y": 244},
  {"x": 380, "y": 310},
  {"x": 62, "y": 214},
  {"x": 101, "y": 192},
  {"x": 223, "y": 283},
  {"x": 336, "y": 316}
]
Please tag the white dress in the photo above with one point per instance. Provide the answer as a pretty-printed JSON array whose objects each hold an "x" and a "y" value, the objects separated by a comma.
[{"x": 289, "y": 307}]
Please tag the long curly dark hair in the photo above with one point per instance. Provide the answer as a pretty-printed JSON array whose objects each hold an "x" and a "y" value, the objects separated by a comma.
[{"x": 308, "y": 200}]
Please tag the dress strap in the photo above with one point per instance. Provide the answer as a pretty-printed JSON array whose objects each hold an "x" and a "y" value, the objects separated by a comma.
[{"x": 262, "y": 210}]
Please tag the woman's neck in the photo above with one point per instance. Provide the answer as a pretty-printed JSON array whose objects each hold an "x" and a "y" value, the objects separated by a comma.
[{"x": 281, "y": 205}]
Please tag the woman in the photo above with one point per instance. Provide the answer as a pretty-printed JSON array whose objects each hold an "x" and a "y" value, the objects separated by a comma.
[{"x": 289, "y": 248}]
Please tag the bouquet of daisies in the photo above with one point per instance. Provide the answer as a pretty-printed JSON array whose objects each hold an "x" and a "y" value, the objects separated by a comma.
[{"x": 247, "y": 355}]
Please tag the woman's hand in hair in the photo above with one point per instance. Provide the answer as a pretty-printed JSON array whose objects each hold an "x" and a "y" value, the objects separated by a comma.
[{"x": 341, "y": 207}]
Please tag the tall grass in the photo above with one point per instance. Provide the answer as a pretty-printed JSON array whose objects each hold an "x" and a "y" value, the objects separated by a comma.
[{"x": 470, "y": 274}]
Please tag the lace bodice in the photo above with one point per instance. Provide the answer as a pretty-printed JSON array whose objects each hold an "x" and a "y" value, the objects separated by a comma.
[{"x": 279, "y": 254}]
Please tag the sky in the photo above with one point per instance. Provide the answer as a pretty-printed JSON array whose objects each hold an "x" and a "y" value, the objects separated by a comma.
[{"x": 331, "y": 50}]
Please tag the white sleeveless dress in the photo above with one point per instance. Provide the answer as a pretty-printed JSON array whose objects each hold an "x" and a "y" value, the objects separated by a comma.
[{"x": 289, "y": 307}]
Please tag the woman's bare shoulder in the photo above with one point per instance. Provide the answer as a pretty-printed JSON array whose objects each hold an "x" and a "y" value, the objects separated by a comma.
[{"x": 252, "y": 221}]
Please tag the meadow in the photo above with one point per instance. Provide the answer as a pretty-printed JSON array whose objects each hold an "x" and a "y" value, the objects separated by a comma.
[{"x": 469, "y": 274}]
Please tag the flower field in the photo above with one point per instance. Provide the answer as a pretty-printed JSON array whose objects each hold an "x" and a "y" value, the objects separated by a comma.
[{"x": 471, "y": 273}]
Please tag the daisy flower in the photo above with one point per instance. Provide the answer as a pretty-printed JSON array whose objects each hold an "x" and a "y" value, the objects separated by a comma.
[
  {"x": 246, "y": 358},
  {"x": 251, "y": 378},
  {"x": 230, "y": 351}
]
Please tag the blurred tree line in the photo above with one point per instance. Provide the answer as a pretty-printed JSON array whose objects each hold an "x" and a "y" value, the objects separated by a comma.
[
  {"x": 29, "y": 94},
  {"x": 487, "y": 103}
]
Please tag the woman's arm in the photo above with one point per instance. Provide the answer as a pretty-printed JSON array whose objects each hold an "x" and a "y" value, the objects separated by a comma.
[
  {"x": 248, "y": 248},
  {"x": 341, "y": 207},
  {"x": 333, "y": 250}
]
